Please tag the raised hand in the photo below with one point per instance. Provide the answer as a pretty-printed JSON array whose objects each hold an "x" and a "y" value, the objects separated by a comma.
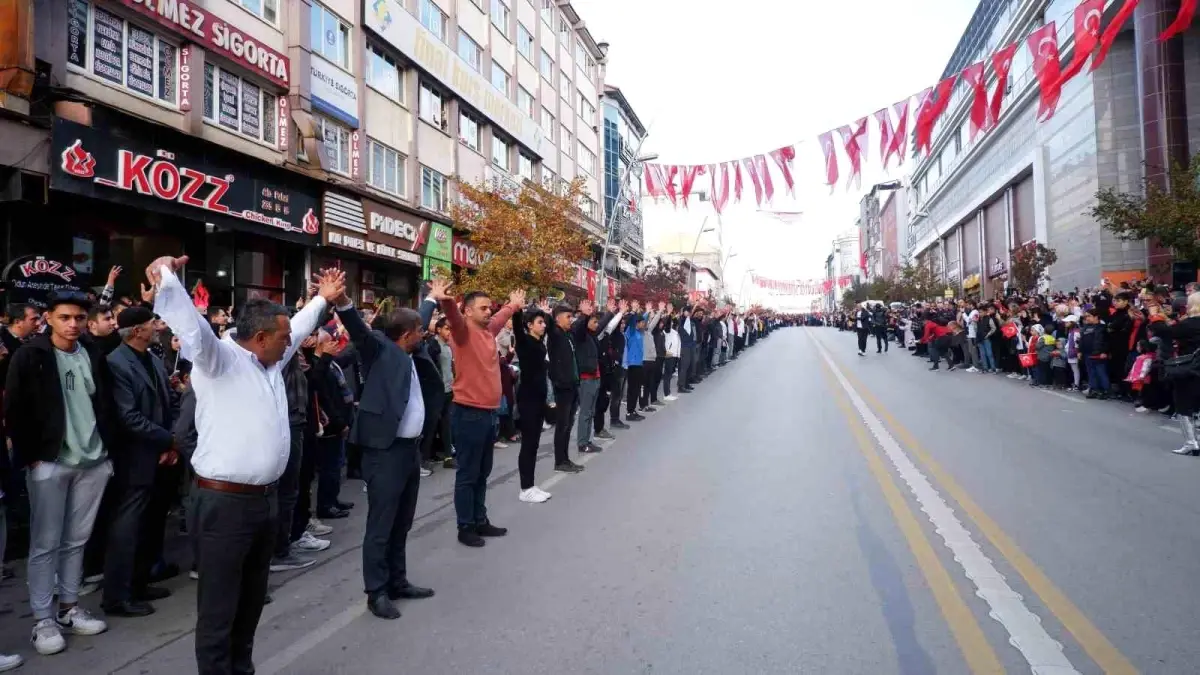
[
  {"x": 147, "y": 293},
  {"x": 113, "y": 274},
  {"x": 611, "y": 305},
  {"x": 172, "y": 263},
  {"x": 662, "y": 306},
  {"x": 517, "y": 298},
  {"x": 439, "y": 289},
  {"x": 637, "y": 306},
  {"x": 332, "y": 285},
  {"x": 671, "y": 309},
  {"x": 624, "y": 306},
  {"x": 586, "y": 307},
  {"x": 544, "y": 305}
]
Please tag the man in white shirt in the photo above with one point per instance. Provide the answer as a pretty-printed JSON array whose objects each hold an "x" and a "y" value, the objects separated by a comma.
[
  {"x": 971, "y": 316},
  {"x": 241, "y": 451}
]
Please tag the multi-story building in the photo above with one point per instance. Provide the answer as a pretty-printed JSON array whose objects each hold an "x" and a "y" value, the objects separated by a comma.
[
  {"x": 269, "y": 137},
  {"x": 844, "y": 260},
  {"x": 623, "y": 134},
  {"x": 1028, "y": 181},
  {"x": 882, "y": 228}
]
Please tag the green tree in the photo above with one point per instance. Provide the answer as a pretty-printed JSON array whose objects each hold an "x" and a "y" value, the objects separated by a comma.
[
  {"x": 1030, "y": 266},
  {"x": 1169, "y": 215},
  {"x": 854, "y": 294},
  {"x": 917, "y": 283}
]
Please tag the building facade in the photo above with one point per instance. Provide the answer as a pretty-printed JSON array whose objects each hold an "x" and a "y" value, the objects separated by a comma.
[
  {"x": 844, "y": 260},
  {"x": 265, "y": 138},
  {"x": 623, "y": 135},
  {"x": 883, "y": 222},
  {"x": 972, "y": 201}
]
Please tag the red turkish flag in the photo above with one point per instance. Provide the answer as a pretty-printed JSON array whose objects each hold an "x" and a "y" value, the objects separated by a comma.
[
  {"x": 737, "y": 180},
  {"x": 1087, "y": 36},
  {"x": 831, "y": 167},
  {"x": 720, "y": 191},
  {"x": 688, "y": 179},
  {"x": 669, "y": 183},
  {"x": 654, "y": 180},
  {"x": 755, "y": 178},
  {"x": 1187, "y": 11},
  {"x": 900, "y": 134},
  {"x": 1001, "y": 63},
  {"x": 854, "y": 139},
  {"x": 1043, "y": 45},
  {"x": 783, "y": 159},
  {"x": 884, "y": 118},
  {"x": 931, "y": 109},
  {"x": 1110, "y": 32},
  {"x": 764, "y": 173},
  {"x": 973, "y": 76}
]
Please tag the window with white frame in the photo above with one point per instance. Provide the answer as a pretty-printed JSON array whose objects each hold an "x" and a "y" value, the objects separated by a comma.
[
  {"x": 525, "y": 166},
  {"x": 548, "y": 12},
  {"x": 239, "y": 105},
  {"x": 546, "y": 67},
  {"x": 549, "y": 181},
  {"x": 330, "y": 36},
  {"x": 586, "y": 159},
  {"x": 468, "y": 131},
  {"x": 524, "y": 42},
  {"x": 337, "y": 144},
  {"x": 384, "y": 75},
  {"x": 385, "y": 168},
  {"x": 432, "y": 107},
  {"x": 580, "y": 52},
  {"x": 433, "y": 18},
  {"x": 433, "y": 189},
  {"x": 470, "y": 51},
  {"x": 500, "y": 78},
  {"x": 564, "y": 28},
  {"x": 548, "y": 123},
  {"x": 586, "y": 110},
  {"x": 267, "y": 9},
  {"x": 500, "y": 149},
  {"x": 564, "y": 87},
  {"x": 525, "y": 101},
  {"x": 565, "y": 142},
  {"x": 122, "y": 53},
  {"x": 588, "y": 206},
  {"x": 500, "y": 16}
]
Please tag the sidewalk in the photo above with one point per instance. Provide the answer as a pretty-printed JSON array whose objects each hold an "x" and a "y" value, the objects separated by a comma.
[{"x": 129, "y": 644}]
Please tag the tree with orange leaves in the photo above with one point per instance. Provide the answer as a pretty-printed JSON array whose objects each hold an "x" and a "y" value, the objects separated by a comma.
[{"x": 530, "y": 236}]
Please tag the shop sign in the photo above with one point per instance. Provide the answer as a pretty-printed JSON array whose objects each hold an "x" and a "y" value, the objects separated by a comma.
[
  {"x": 356, "y": 156},
  {"x": 391, "y": 21},
  {"x": 334, "y": 91},
  {"x": 394, "y": 226},
  {"x": 185, "y": 77},
  {"x": 355, "y": 242},
  {"x": 429, "y": 266},
  {"x": 441, "y": 239},
  {"x": 145, "y": 170},
  {"x": 198, "y": 25},
  {"x": 281, "y": 119},
  {"x": 467, "y": 254},
  {"x": 374, "y": 229},
  {"x": 30, "y": 279},
  {"x": 997, "y": 267}
]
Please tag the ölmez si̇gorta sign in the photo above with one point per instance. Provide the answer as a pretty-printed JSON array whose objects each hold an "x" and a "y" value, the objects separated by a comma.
[
  {"x": 162, "y": 170},
  {"x": 30, "y": 279}
]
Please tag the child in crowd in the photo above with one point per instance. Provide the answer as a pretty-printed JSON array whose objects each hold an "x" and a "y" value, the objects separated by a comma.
[
  {"x": 1071, "y": 322},
  {"x": 1139, "y": 373}
]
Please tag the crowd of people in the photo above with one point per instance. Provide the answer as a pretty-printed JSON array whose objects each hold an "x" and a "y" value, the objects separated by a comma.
[
  {"x": 121, "y": 411},
  {"x": 1134, "y": 342}
]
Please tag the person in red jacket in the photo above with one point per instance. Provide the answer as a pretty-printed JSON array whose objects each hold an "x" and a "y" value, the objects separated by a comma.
[{"x": 936, "y": 337}]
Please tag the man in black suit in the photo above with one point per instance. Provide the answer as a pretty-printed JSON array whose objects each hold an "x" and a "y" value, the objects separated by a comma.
[
  {"x": 141, "y": 394},
  {"x": 392, "y": 415}
]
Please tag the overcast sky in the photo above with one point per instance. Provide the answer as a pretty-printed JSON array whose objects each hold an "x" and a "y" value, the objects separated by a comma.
[{"x": 716, "y": 82}]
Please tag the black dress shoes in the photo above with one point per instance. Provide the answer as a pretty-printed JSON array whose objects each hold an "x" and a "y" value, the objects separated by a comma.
[
  {"x": 489, "y": 530},
  {"x": 149, "y": 593},
  {"x": 332, "y": 514},
  {"x": 409, "y": 592},
  {"x": 345, "y": 506},
  {"x": 128, "y": 608},
  {"x": 382, "y": 606},
  {"x": 468, "y": 536}
]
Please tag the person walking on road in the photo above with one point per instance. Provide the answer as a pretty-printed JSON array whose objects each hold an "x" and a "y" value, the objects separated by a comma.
[
  {"x": 862, "y": 326},
  {"x": 242, "y": 449}
]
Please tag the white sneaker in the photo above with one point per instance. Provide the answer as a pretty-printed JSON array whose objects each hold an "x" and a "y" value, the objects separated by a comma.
[
  {"x": 317, "y": 528},
  {"x": 10, "y": 661},
  {"x": 532, "y": 496},
  {"x": 194, "y": 575},
  {"x": 426, "y": 473},
  {"x": 542, "y": 492},
  {"x": 78, "y": 621},
  {"x": 93, "y": 578},
  {"x": 310, "y": 544},
  {"x": 546, "y": 426},
  {"x": 1141, "y": 409},
  {"x": 972, "y": 369},
  {"x": 672, "y": 397},
  {"x": 47, "y": 637}
]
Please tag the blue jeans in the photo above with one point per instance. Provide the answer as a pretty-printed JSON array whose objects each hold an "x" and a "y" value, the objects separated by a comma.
[
  {"x": 986, "y": 356},
  {"x": 1097, "y": 373},
  {"x": 474, "y": 433}
]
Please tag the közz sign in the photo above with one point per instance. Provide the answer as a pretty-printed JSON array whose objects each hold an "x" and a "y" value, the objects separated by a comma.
[
  {"x": 190, "y": 186},
  {"x": 31, "y": 279}
]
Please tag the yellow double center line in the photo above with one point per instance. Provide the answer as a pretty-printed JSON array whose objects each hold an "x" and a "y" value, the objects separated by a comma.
[{"x": 980, "y": 656}]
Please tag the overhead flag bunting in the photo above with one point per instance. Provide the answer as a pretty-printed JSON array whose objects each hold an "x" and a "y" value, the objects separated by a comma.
[
  {"x": 801, "y": 286},
  {"x": 1092, "y": 40}
]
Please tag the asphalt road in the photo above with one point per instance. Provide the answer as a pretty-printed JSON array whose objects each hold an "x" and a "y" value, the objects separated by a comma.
[{"x": 805, "y": 511}]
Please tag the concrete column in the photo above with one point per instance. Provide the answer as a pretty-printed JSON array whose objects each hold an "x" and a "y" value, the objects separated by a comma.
[{"x": 1163, "y": 108}]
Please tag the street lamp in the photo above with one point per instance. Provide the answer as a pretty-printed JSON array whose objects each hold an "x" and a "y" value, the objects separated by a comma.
[
  {"x": 742, "y": 286},
  {"x": 634, "y": 167}
]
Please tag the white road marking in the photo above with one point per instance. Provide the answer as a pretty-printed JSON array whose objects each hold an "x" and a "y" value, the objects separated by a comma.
[
  {"x": 584, "y": 458},
  {"x": 1043, "y": 653},
  {"x": 1061, "y": 395},
  {"x": 310, "y": 640}
]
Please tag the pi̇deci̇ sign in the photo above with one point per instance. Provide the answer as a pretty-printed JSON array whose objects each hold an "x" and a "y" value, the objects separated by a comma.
[{"x": 160, "y": 176}]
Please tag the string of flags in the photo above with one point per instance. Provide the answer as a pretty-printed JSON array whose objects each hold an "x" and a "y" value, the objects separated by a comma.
[
  {"x": 801, "y": 287},
  {"x": 1092, "y": 40},
  {"x": 676, "y": 182}
]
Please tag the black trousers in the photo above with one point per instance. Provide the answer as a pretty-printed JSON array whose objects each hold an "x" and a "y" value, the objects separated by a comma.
[
  {"x": 687, "y": 356},
  {"x": 530, "y": 423},
  {"x": 634, "y": 375},
  {"x": 669, "y": 364},
  {"x": 565, "y": 400},
  {"x": 393, "y": 480},
  {"x": 601, "y": 405},
  {"x": 614, "y": 394},
  {"x": 288, "y": 492},
  {"x": 236, "y": 536},
  {"x": 442, "y": 429},
  {"x": 308, "y": 470},
  {"x": 881, "y": 338},
  {"x": 125, "y": 559},
  {"x": 862, "y": 339},
  {"x": 652, "y": 371}
]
